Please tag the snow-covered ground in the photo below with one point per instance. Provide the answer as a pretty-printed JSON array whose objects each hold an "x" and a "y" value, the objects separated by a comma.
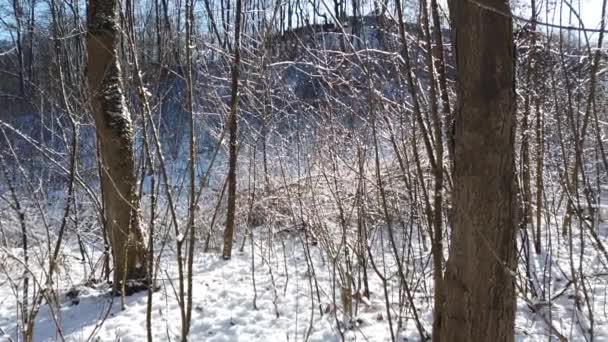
[
  {"x": 286, "y": 304},
  {"x": 279, "y": 295}
]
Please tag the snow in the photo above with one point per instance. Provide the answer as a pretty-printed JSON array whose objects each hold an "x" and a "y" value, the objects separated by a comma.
[
  {"x": 286, "y": 301},
  {"x": 223, "y": 306}
]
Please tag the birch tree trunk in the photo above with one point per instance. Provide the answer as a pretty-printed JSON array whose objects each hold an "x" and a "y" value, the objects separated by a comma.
[{"x": 115, "y": 133}]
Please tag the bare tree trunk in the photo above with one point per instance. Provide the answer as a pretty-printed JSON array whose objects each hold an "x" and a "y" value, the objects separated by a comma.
[
  {"x": 17, "y": 10},
  {"x": 480, "y": 295},
  {"x": 31, "y": 27},
  {"x": 115, "y": 133},
  {"x": 436, "y": 214},
  {"x": 192, "y": 168},
  {"x": 232, "y": 128},
  {"x": 532, "y": 74},
  {"x": 526, "y": 166},
  {"x": 540, "y": 152}
]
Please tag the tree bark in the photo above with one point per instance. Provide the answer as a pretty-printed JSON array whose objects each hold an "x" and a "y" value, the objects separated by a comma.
[
  {"x": 233, "y": 131},
  {"x": 115, "y": 133},
  {"x": 480, "y": 295}
]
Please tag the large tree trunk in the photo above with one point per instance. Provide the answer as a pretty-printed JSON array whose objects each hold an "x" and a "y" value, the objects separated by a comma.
[
  {"x": 480, "y": 295},
  {"x": 115, "y": 133}
]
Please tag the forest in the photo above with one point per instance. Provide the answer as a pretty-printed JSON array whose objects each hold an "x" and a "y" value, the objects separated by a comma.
[{"x": 303, "y": 170}]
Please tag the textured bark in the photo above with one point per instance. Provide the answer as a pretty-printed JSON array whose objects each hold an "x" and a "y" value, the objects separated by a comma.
[
  {"x": 480, "y": 295},
  {"x": 115, "y": 134}
]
